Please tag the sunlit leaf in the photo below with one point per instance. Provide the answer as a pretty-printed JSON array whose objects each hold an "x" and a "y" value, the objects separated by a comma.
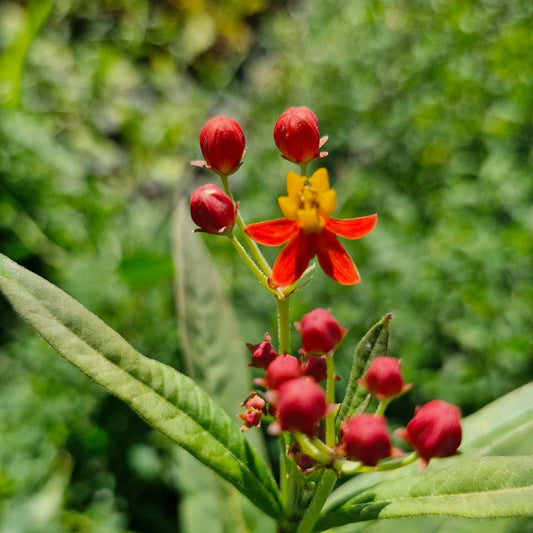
[
  {"x": 486, "y": 487},
  {"x": 504, "y": 426},
  {"x": 166, "y": 399}
]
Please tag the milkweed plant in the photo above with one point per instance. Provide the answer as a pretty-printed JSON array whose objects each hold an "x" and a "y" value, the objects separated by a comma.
[{"x": 340, "y": 462}]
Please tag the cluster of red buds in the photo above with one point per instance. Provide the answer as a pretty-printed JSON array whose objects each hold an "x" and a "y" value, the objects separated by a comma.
[
  {"x": 294, "y": 401},
  {"x": 292, "y": 398}
]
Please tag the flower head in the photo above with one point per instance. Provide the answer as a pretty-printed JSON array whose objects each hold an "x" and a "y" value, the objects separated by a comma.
[
  {"x": 296, "y": 135},
  {"x": 282, "y": 369},
  {"x": 222, "y": 144},
  {"x": 301, "y": 405},
  {"x": 320, "y": 331},
  {"x": 384, "y": 378},
  {"x": 365, "y": 438},
  {"x": 212, "y": 210},
  {"x": 263, "y": 353},
  {"x": 435, "y": 430},
  {"x": 309, "y": 231},
  {"x": 316, "y": 367}
]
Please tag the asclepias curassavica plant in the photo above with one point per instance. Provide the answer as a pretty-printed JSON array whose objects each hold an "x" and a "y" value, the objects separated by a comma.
[{"x": 339, "y": 461}]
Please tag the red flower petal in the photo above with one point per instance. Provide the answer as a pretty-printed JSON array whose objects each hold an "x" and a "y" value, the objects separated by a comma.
[
  {"x": 272, "y": 232},
  {"x": 293, "y": 259},
  {"x": 334, "y": 259},
  {"x": 352, "y": 228}
]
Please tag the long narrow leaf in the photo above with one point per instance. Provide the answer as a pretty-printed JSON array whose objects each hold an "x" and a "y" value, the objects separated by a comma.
[
  {"x": 215, "y": 356},
  {"x": 486, "y": 487},
  {"x": 166, "y": 399},
  {"x": 503, "y": 426}
]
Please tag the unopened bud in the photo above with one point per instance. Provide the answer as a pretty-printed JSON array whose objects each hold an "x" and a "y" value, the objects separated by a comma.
[
  {"x": 222, "y": 144},
  {"x": 301, "y": 405},
  {"x": 296, "y": 135},
  {"x": 263, "y": 353},
  {"x": 281, "y": 369},
  {"x": 384, "y": 378},
  {"x": 365, "y": 438},
  {"x": 435, "y": 430},
  {"x": 316, "y": 367},
  {"x": 212, "y": 210},
  {"x": 320, "y": 332}
]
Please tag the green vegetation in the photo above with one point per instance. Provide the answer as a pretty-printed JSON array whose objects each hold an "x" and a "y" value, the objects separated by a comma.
[{"x": 428, "y": 107}]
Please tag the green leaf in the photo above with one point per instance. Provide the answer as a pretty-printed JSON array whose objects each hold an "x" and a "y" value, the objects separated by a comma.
[
  {"x": 215, "y": 353},
  {"x": 503, "y": 426},
  {"x": 372, "y": 345},
  {"x": 484, "y": 487},
  {"x": 216, "y": 357},
  {"x": 166, "y": 399}
]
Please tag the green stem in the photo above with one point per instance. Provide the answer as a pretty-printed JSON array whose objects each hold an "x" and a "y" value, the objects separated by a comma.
[
  {"x": 249, "y": 262},
  {"x": 283, "y": 325},
  {"x": 313, "y": 511},
  {"x": 252, "y": 245},
  {"x": 382, "y": 406},
  {"x": 330, "y": 398},
  {"x": 356, "y": 467}
]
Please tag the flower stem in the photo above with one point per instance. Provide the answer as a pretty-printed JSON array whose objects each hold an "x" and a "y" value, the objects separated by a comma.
[
  {"x": 248, "y": 260},
  {"x": 382, "y": 406},
  {"x": 330, "y": 398},
  {"x": 324, "y": 489},
  {"x": 283, "y": 324},
  {"x": 252, "y": 246}
]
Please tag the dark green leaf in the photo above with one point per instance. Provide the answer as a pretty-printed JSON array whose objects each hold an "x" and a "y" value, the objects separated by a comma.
[{"x": 166, "y": 399}]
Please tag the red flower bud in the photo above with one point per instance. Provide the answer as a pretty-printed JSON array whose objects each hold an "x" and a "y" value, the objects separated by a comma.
[
  {"x": 320, "y": 332},
  {"x": 316, "y": 367},
  {"x": 384, "y": 377},
  {"x": 296, "y": 135},
  {"x": 254, "y": 401},
  {"x": 255, "y": 407},
  {"x": 365, "y": 438},
  {"x": 282, "y": 369},
  {"x": 301, "y": 405},
  {"x": 251, "y": 418},
  {"x": 263, "y": 353},
  {"x": 212, "y": 209},
  {"x": 222, "y": 144},
  {"x": 435, "y": 430}
]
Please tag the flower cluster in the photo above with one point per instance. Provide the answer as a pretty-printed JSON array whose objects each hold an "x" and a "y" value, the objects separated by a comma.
[
  {"x": 296, "y": 393},
  {"x": 293, "y": 400},
  {"x": 307, "y": 226},
  {"x": 296, "y": 401}
]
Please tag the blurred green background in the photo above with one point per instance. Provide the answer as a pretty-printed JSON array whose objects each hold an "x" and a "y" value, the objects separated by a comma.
[{"x": 429, "y": 110}]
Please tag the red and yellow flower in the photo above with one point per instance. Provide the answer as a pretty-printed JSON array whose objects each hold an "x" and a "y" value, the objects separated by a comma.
[{"x": 308, "y": 231}]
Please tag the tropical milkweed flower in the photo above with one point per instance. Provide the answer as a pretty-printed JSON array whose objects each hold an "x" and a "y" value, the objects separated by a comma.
[{"x": 309, "y": 231}]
